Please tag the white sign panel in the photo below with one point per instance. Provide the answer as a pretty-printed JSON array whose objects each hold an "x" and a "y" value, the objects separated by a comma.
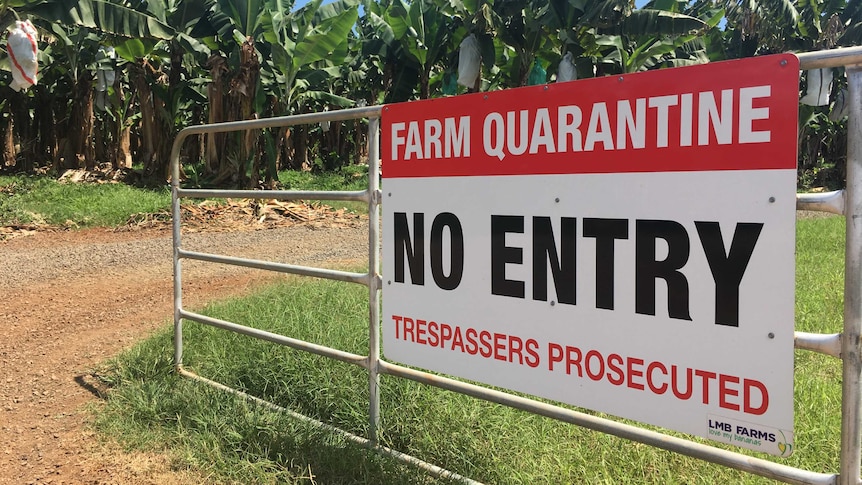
[{"x": 622, "y": 244}]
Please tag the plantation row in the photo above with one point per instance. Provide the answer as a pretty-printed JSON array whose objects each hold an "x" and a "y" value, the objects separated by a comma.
[{"x": 118, "y": 79}]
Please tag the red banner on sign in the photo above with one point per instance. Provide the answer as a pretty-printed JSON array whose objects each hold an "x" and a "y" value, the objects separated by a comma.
[{"x": 733, "y": 115}]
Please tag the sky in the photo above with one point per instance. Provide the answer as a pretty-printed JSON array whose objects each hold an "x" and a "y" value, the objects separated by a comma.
[{"x": 301, "y": 3}]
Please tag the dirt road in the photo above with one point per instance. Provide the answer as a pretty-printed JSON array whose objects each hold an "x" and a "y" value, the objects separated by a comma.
[{"x": 70, "y": 300}]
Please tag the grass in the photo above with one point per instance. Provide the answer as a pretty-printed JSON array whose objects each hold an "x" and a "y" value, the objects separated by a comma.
[
  {"x": 352, "y": 177},
  {"x": 43, "y": 200},
  {"x": 235, "y": 442}
]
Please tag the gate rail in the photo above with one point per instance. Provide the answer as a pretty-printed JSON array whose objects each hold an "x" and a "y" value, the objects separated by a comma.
[{"x": 846, "y": 345}]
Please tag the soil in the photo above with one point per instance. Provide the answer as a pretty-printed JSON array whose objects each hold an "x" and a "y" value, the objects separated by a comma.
[{"x": 69, "y": 300}]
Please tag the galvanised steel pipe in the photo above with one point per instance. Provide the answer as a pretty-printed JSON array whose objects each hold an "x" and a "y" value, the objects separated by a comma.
[
  {"x": 293, "y": 343},
  {"x": 177, "y": 192},
  {"x": 176, "y": 226},
  {"x": 281, "y": 121},
  {"x": 340, "y": 195},
  {"x": 844, "y": 56},
  {"x": 825, "y": 343},
  {"x": 329, "y": 274},
  {"x": 832, "y": 202},
  {"x": 851, "y": 348},
  {"x": 373, "y": 278}
]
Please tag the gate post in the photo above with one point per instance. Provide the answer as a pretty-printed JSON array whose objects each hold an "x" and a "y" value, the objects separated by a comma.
[
  {"x": 851, "y": 351},
  {"x": 373, "y": 278},
  {"x": 176, "y": 231}
]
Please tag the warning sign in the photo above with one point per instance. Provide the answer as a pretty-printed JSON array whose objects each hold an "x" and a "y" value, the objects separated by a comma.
[{"x": 624, "y": 244}]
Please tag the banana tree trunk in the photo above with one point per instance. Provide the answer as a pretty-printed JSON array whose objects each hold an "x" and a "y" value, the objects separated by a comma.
[
  {"x": 24, "y": 130},
  {"x": 425, "y": 85},
  {"x": 165, "y": 129},
  {"x": 45, "y": 125},
  {"x": 79, "y": 152},
  {"x": 235, "y": 160},
  {"x": 124, "y": 148},
  {"x": 300, "y": 148},
  {"x": 244, "y": 85},
  {"x": 148, "y": 117},
  {"x": 284, "y": 148},
  {"x": 193, "y": 148},
  {"x": 8, "y": 152},
  {"x": 7, "y": 123},
  {"x": 176, "y": 72},
  {"x": 102, "y": 143},
  {"x": 121, "y": 154},
  {"x": 165, "y": 122},
  {"x": 216, "y": 94}
]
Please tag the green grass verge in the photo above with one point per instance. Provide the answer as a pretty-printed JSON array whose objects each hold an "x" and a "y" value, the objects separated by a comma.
[
  {"x": 232, "y": 441},
  {"x": 352, "y": 177},
  {"x": 43, "y": 200}
]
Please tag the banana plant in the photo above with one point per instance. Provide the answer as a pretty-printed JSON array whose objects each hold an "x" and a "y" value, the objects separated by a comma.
[
  {"x": 522, "y": 27},
  {"x": 424, "y": 29},
  {"x": 759, "y": 26},
  {"x": 310, "y": 47},
  {"x": 397, "y": 74},
  {"x": 109, "y": 17},
  {"x": 77, "y": 46},
  {"x": 644, "y": 42},
  {"x": 230, "y": 29},
  {"x": 655, "y": 36},
  {"x": 312, "y": 42},
  {"x": 164, "y": 79},
  {"x": 269, "y": 59},
  {"x": 78, "y": 27}
]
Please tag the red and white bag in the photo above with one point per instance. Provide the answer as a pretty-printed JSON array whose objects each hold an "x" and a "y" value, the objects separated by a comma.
[{"x": 23, "y": 52}]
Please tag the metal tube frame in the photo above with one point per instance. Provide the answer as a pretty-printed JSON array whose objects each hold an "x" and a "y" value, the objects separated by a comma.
[
  {"x": 847, "y": 345},
  {"x": 851, "y": 396}
]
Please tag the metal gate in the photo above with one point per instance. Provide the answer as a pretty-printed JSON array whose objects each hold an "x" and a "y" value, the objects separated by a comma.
[{"x": 847, "y": 345}]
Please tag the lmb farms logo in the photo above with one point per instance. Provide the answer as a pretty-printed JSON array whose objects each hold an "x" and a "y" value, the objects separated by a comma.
[{"x": 755, "y": 436}]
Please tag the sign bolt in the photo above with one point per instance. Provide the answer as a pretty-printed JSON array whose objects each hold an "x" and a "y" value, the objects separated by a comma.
[
  {"x": 553, "y": 303},
  {"x": 783, "y": 62},
  {"x": 770, "y": 335},
  {"x": 620, "y": 79},
  {"x": 772, "y": 200},
  {"x": 390, "y": 194},
  {"x": 389, "y": 282},
  {"x": 557, "y": 200}
]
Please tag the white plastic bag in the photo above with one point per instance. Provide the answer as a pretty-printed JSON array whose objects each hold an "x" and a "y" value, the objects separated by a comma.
[
  {"x": 567, "y": 70},
  {"x": 105, "y": 76},
  {"x": 819, "y": 86},
  {"x": 23, "y": 53},
  {"x": 469, "y": 61},
  {"x": 324, "y": 125}
]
